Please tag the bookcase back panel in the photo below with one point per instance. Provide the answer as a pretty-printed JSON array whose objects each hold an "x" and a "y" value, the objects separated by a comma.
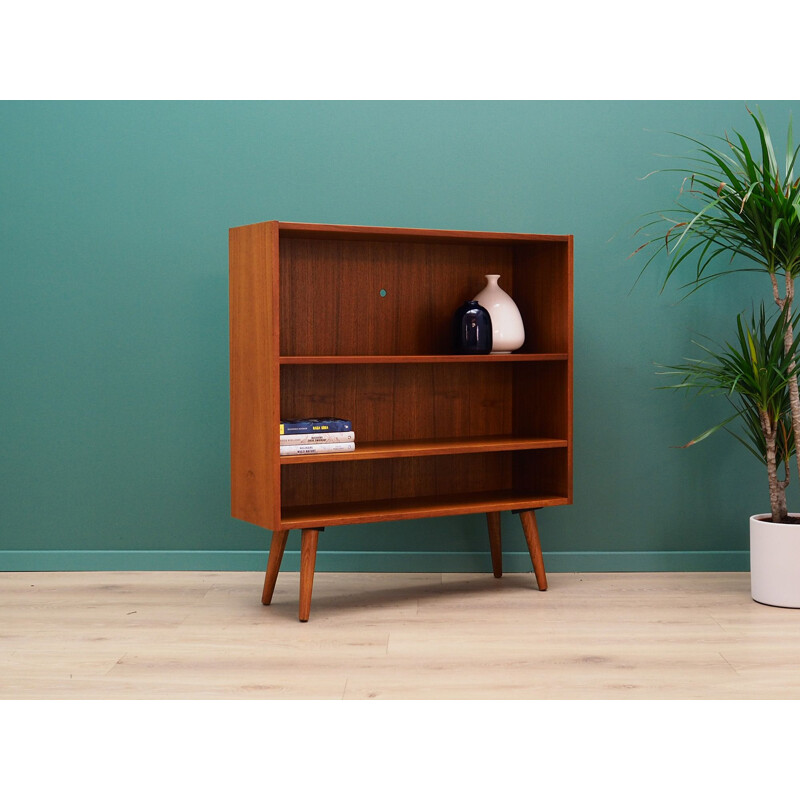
[
  {"x": 343, "y": 297},
  {"x": 542, "y": 281},
  {"x": 404, "y": 401},
  {"x": 543, "y": 471},
  {"x": 542, "y": 400},
  {"x": 360, "y": 481}
]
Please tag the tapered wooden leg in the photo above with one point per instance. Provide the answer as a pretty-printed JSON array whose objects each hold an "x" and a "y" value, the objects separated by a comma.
[
  {"x": 276, "y": 548},
  {"x": 493, "y": 519},
  {"x": 531, "y": 530},
  {"x": 308, "y": 558}
]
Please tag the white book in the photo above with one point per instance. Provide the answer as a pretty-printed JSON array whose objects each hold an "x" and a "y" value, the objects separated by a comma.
[
  {"x": 317, "y": 438},
  {"x": 308, "y": 449}
]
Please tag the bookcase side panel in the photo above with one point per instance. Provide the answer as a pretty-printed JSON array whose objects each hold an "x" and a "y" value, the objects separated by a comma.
[
  {"x": 570, "y": 360},
  {"x": 255, "y": 468},
  {"x": 543, "y": 405}
]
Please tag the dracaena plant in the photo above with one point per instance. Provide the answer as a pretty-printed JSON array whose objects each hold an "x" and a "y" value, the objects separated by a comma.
[
  {"x": 753, "y": 372},
  {"x": 738, "y": 210}
]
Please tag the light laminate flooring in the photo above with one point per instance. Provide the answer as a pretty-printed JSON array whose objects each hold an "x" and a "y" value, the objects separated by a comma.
[{"x": 203, "y": 635}]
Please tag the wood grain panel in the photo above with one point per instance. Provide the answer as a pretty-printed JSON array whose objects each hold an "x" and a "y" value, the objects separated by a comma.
[
  {"x": 356, "y": 481},
  {"x": 331, "y": 301},
  {"x": 542, "y": 291},
  {"x": 541, "y": 394},
  {"x": 493, "y": 358},
  {"x": 305, "y": 230},
  {"x": 253, "y": 321},
  {"x": 411, "y": 448},
  {"x": 404, "y": 401},
  {"x": 546, "y": 471},
  {"x": 439, "y": 505}
]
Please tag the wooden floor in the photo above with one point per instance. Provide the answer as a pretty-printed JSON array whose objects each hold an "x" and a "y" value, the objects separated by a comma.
[{"x": 84, "y": 635}]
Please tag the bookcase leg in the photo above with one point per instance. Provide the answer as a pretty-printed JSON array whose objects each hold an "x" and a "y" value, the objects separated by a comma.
[
  {"x": 493, "y": 520},
  {"x": 531, "y": 530},
  {"x": 276, "y": 548},
  {"x": 308, "y": 558}
]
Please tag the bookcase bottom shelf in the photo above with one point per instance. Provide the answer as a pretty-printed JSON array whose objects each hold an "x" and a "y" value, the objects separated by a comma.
[{"x": 330, "y": 514}]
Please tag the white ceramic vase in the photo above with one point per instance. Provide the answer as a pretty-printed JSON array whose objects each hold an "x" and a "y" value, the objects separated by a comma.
[
  {"x": 774, "y": 562},
  {"x": 508, "y": 332}
]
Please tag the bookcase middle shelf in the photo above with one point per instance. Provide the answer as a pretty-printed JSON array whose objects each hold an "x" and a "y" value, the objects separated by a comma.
[
  {"x": 494, "y": 358},
  {"x": 410, "y": 448}
]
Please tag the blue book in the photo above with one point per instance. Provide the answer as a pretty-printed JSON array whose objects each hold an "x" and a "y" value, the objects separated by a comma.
[{"x": 313, "y": 425}]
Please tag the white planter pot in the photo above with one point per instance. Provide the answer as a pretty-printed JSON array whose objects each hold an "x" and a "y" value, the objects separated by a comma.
[
  {"x": 508, "y": 332},
  {"x": 774, "y": 562}
]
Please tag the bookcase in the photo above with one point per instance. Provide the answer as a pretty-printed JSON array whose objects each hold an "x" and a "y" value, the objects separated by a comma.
[{"x": 355, "y": 322}]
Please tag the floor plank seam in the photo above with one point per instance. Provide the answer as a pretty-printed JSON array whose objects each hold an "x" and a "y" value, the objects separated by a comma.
[
  {"x": 729, "y": 663},
  {"x": 115, "y": 665},
  {"x": 718, "y": 622}
]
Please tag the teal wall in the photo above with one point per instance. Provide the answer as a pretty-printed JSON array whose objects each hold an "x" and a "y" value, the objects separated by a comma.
[{"x": 113, "y": 306}]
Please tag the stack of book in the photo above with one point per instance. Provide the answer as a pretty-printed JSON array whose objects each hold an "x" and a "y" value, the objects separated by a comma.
[{"x": 324, "y": 435}]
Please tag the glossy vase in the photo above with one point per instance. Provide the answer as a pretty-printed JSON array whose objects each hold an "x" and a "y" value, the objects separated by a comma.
[
  {"x": 472, "y": 329},
  {"x": 508, "y": 332}
]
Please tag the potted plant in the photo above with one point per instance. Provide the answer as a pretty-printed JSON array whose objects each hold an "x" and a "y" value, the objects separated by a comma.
[
  {"x": 754, "y": 374},
  {"x": 739, "y": 210},
  {"x": 736, "y": 201}
]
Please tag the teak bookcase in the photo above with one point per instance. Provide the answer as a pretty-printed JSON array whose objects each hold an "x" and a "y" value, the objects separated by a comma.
[{"x": 355, "y": 322}]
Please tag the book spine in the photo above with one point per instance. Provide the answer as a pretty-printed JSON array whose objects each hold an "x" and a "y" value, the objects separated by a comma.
[
  {"x": 315, "y": 426},
  {"x": 308, "y": 449},
  {"x": 317, "y": 438}
]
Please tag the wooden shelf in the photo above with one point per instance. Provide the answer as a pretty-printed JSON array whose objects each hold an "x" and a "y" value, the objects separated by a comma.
[
  {"x": 413, "y": 508},
  {"x": 353, "y": 233},
  {"x": 421, "y": 359},
  {"x": 411, "y": 448}
]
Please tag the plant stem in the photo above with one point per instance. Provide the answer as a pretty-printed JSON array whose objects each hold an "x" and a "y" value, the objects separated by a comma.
[
  {"x": 777, "y": 496},
  {"x": 784, "y": 511},
  {"x": 785, "y": 304}
]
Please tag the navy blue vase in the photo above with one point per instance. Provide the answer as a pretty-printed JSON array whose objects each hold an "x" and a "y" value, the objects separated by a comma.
[{"x": 472, "y": 329}]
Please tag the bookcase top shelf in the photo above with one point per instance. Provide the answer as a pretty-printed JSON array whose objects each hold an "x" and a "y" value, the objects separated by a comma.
[{"x": 303, "y": 230}]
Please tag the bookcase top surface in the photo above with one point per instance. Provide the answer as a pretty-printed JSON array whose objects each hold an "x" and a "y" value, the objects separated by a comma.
[{"x": 307, "y": 230}]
